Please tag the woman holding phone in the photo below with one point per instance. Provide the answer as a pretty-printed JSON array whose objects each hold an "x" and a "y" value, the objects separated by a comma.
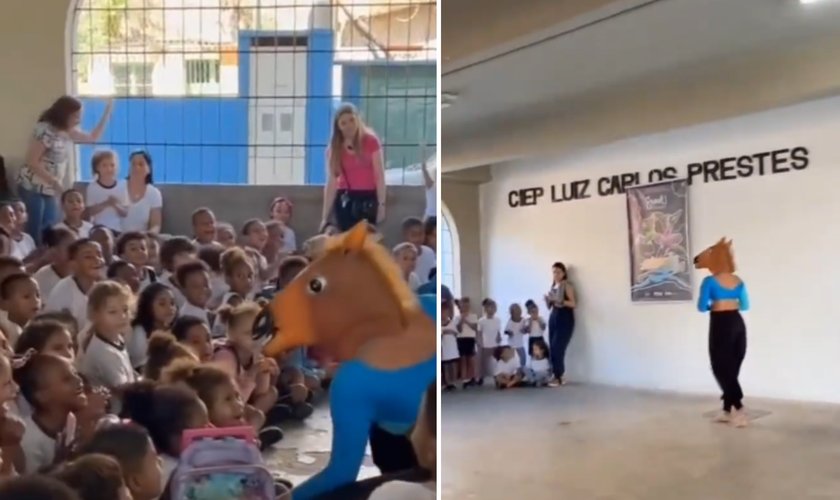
[{"x": 561, "y": 301}]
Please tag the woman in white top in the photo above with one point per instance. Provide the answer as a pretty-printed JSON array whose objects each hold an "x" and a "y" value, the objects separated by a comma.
[
  {"x": 45, "y": 173},
  {"x": 145, "y": 203}
]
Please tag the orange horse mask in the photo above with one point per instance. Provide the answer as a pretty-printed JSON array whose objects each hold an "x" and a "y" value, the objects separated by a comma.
[
  {"x": 352, "y": 292},
  {"x": 718, "y": 258}
]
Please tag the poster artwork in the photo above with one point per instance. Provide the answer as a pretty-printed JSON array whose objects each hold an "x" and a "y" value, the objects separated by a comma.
[{"x": 660, "y": 262}]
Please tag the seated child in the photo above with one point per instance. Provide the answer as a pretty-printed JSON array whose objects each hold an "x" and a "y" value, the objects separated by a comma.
[
  {"x": 125, "y": 273},
  {"x": 71, "y": 293},
  {"x": 73, "y": 206},
  {"x": 20, "y": 302},
  {"x": 131, "y": 446},
  {"x": 204, "y": 226},
  {"x": 12, "y": 427},
  {"x": 6, "y": 244},
  {"x": 194, "y": 280},
  {"x": 165, "y": 411},
  {"x": 175, "y": 252},
  {"x": 56, "y": 241},
  {"x": 255, "y": 237},
  {"x": 281, "y": 211},
  {"x": 93, "y": 477},
  {"x": 104, "y": 359},
  {"x": 54, "y": 390},
  {"x": 105, "y": 238},
  {"x": 238, "y": 271},
  {"x": 132, "y": 247},
  {"x": 24, "y": 243},
  {"x": 211, "y": 255},
  {"x": 315, "y": 246},
  {"x": 538, "y": 371},
  {"x": 46, "y": 336},
  {"x": 164, "y": 350},
  {"x": 226, "y": 234},
  {"x": 156, "y": 311},
  {"x": 507, "y": 373},
  {"x": 194, "y": 333},
  {"x": 36, "y": 487},
  {"x": 65, "y": 319},
  {"x": 10, "y": 265},
  {"x": 153, "y": 246},
  {"x": 274, "y": 247},
  {"x": 406, "y": 256},
  {"x": 414, "y": 232}
]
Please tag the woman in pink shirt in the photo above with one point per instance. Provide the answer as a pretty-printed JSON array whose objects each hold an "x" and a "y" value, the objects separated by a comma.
[{"x": 355, "y": 188}]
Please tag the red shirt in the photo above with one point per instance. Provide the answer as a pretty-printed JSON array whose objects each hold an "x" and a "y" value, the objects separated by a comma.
[{"x": 357, "y": 173}]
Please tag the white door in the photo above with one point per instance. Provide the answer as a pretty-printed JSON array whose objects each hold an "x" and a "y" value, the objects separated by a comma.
[{"x": 277, "y": 115}]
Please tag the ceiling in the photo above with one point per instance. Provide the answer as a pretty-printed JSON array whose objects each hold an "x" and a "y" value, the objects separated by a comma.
[{"x": 509, "y": 65}]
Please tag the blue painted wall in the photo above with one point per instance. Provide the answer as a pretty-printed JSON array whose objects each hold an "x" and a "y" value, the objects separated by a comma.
[{"x": 193, "y": 141}]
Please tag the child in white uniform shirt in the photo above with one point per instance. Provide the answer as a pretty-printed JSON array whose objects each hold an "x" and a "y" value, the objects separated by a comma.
[
  {"x": 107, "y": 196},
  {"x": 57, "y": 241},
  {"x": 467, "y": 323},
  {"x": 507, "y": 371},
  {"x": 489, "y": 338},
  {"x": 105, "y": 360},
  {"x": 414, "y": 232},
  {"x": 24, "y": 244},
  {"x": 515, "y": 331},
  {"x": 449, "y": 354},
  {"x": 73, "y": 204},
  {"x": 535, "y": 325},
  {"x": 20, "y": 301},
  {"x": 281, "y": 211},
  {"x": 406, "y": 256},
  {"x": 156, "y": 311},
  {"x": 194, "y": 278},
  {"x": 132, "y": 247},
  {"x": 71, "y": 293},
  {"x": 175, "y": 252},
  {"x": 538, "y": 372}
]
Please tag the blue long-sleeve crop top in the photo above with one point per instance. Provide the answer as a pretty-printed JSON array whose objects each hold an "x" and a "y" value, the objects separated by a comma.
[
  {"x": 362, "y": 396},
  {"x": 711, "y": 291}
]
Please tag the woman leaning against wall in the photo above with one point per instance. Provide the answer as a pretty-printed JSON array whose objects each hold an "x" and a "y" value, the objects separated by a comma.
[{"x": 355, "y": 187}]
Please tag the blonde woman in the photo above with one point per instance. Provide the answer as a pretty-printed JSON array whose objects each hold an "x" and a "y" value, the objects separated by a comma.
[{"x": 355, "y": 187}]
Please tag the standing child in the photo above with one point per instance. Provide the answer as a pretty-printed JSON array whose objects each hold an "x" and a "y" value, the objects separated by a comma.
[
  {"x": 430, "y": 228},
  {"x": 156, "y": 311},
  {"x": 24, "y": 244},
  {"x": 133, "y": 247},
  {"x": 534, "y": 324},
  {"x": 107, "y": 197},
  {"x": 57, "y": 240},
  {"x": 406, "y": 256},
  {"x": 194, "y": 279},
  {"x": 281, "y": 211},
  {"x": 489, "y": 338},
  {"x": 538, "y": 372},
  {"x": 449, "y": 347},
  {"x": 54, "y": 391},
  {"x": 71, "y": 293},
  {"x": 515, "y": 331},
  {"x": 466, "y": 323},
  {"x": 414, "y": 232},
  {"x": 104, "y": 360},
  {"x": 73, "y": 205},
  {"x": 175, "y": 252},
  {"x": 20, "y": 301},
  {"x": 204, "y": 226}
]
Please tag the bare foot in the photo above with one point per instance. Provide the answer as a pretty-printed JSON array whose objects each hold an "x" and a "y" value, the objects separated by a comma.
[
  {"x": 740, "y": 419},
  {"x": 724, "y": 417}
]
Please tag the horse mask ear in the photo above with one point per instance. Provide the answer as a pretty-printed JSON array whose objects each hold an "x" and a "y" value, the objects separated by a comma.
[{"x": 355, "y": 239}]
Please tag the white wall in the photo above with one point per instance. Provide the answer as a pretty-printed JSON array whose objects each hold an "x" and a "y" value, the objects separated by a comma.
[{"x": 786, "y": 239}]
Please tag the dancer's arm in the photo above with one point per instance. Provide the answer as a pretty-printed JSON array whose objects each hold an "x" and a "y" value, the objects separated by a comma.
[
  {"x": 705, "y": 299},
  {"x": 352, "y": 422},
  {"x": 744, "y": 298}
]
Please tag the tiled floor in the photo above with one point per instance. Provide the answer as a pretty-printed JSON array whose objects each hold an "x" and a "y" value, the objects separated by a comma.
[
  {"x": 306, "y": 449},
  {"x": 596, "y": 443}
]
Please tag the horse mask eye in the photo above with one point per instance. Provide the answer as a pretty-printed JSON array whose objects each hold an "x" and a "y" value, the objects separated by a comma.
[{"x": 263, "y": 328}]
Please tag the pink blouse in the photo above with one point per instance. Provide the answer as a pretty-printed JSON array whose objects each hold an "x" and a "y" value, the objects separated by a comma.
[{"x": 357, "y": 172}]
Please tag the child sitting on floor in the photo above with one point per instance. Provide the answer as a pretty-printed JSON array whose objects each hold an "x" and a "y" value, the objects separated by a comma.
[{"x": 507, "y": 373}]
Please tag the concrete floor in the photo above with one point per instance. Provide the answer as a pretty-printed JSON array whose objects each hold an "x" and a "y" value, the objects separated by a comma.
[
  {"x": 305, "y": 449},
  {"x": 596, "y": 443}
]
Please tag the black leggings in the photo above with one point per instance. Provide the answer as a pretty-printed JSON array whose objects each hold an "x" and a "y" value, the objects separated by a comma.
[
  {"x": 727, "y": 348},
  {"x": 391, "y": 452},
  {"x": 352, "y": 207},
  {"x": 561, "y": 325}
]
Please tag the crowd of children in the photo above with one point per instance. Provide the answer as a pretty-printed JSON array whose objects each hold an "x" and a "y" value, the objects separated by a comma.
[
  {"x": 113, "y": 345},
  {"x": 514, "y": 353}
]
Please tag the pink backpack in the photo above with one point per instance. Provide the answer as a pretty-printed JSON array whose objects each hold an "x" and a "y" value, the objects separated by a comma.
[{"x": 221, "y": 464}]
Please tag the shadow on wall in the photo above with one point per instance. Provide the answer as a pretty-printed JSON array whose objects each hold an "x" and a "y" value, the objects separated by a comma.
[{"x": 236, "y": 204}]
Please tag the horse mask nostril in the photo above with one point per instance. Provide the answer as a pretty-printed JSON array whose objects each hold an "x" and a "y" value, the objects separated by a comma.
[{"x": 263, "y": 325}]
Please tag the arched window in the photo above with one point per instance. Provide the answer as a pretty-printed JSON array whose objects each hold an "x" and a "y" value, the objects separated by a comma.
[
  {"x": 244, "y": 91},
  {"x": 450, "y": 253}
]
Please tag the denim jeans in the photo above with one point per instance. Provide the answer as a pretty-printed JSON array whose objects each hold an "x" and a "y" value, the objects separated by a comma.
[{"x": 43, "y": 212}]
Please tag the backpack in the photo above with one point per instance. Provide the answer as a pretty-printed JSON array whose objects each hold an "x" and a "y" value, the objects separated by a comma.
[{"x": 221, "y": 464}]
